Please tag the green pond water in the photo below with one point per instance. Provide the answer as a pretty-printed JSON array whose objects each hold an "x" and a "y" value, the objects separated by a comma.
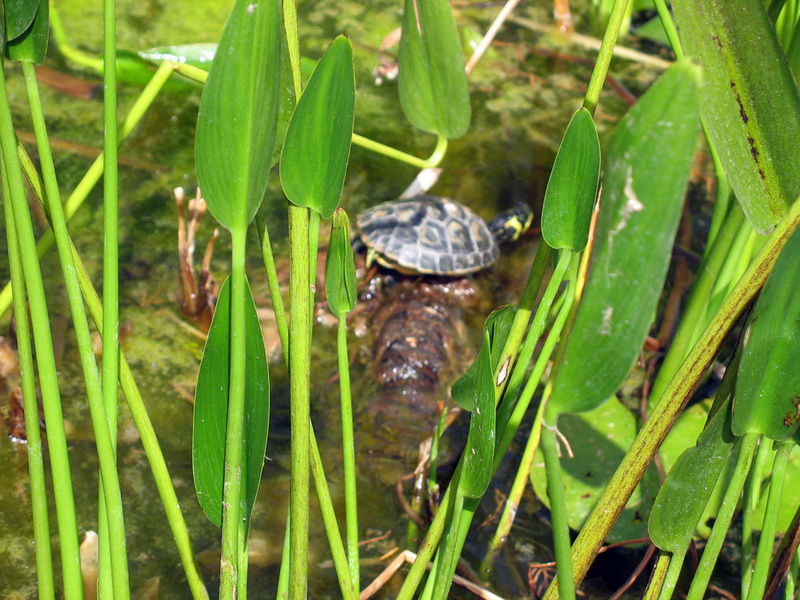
[{"x": 522, "y": 98}]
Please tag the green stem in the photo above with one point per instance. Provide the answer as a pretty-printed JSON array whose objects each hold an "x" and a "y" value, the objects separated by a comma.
[
  {"x": 605, "y": 55},
  {"x": 522, "y": 316},
  {"x": 508, "y": 429},
  {"x": 110, "y": 366},
  {"x": 769, "y": 526},
  {"x": 341, "y": 559},
  {"x": 348, "y": 453},
  {"x": 565, "y": 258},
  {"x": 273, "y": 284},
  {"x": 95, "y": 172},
  {"x": 747, "y": 446},
  {"x": 105, "y": 446},
  {"x": 752, "y": 497},
  {"x": 669, "y": 28},
  {"x": 558, "y": 505},
  {"x": 422, "y": 163},
  {"x": 674, "y": 564},
  {"x": 694, "y": 316},
  {"x": 143, "y": 424},
  {"x": 293, "y": 43},
  {"x": 41, "y": 524},
  {"x": 48, "y": 379},
  {"x": 234, "y": 481},
  {"x": 431, "y": 541},
  {"x": 299, "y": 383},
  {"x": 677, "y": 393}
]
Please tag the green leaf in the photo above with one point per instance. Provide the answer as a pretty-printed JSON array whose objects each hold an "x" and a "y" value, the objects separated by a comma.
[
  {"x": 750, "y": 102},
  {"x": 479, "y": 451},
  {"x": 683, "y": 496},
  {"x": 211, "y": 409},
  {"x": 317, "y": 145},
  {"x": 498, "y": 325},
  {"x": 768, "y": 383},
  {"x": 340, "y": 269},
  {"x": 598, "y": 439},
  {"x": 31, "y": 45},
  {"x": 19, "y": 15},
  {"x": 572, "y": 187},
  {"x": 432, "y": 82},
  {"x": 645, "y": 177},
  {"x": 201, "y": 56},
  {"x": 197, "y": 55},
  {"x": 237, "y": 121},
  {"x": 790, "y": 499}
]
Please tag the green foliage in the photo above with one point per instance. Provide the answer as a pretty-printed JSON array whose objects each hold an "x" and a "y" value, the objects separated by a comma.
[
  {"x": 572, "y": 187},
  {"x": 236, "y": 124},
  {"x": 340, "y": 269},
  {"x": 689, "y": 485},
  {"x": 751, "y": 104},
  {"x": 211, "y": 409},
  {"x": 432, "y": 82},
  {"x": 498, "y": 326},
  {"x": 479, "y": 451},
  {"x": 31, "y": 45},
  {"x": 317, "y": 145},
  {"x": 646, "y": 173},
  {"x": 598, "y": 440},
  {"x": 768, "y": 384},
  {"x": 19, "y": 15}
]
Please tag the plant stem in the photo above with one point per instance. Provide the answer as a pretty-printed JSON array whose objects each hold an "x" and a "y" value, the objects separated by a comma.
[
  {"x": 41, "y": 524},
  {"x": 565, "y": 257},
  {"x": 341, "y": 559},
  {"x": 273, "y": 284},
  {"x": 747, "y": 446},
  {"x": 661, "y": 584},
  {"x": 522, "y": 317},
  {"x": 299, "y": 383},
  {"x": 147, "y": 434},
  {"x": 769, "y": 525},
  {"x": 677, "y": 393},
  {"x": 233, "y": 487},
  {"x": 558, "y": 504},
  {"x": 604, "y": 55},
  {"x": 48, "y": 379},
  {"x": 95, "y": 172},
  {"x": 422, "y": 163},
  {"x": 348, "y": 453},
  {"x": 105, "y": 445},
  {"x": 110, "y": 386},
  {"x": 694, "y": 316}
]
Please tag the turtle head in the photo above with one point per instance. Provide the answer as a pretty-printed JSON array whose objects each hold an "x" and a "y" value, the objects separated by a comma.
[{"x": 512, "y": 223}]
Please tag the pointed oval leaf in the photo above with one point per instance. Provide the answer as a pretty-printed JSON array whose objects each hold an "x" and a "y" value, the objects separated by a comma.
[
  {"x": 211, "y": 409},
  {"x": 683, "y": 497},
  {"x": 31, "y": 45},
  {"x": 479, "y": 451},
  {"x": 750, "y": 102},
  {"x": 645, "y": 177},
  {"x": 340, "y": 269},
  {"x": 432, "y": 82},
  {"x": 572, "y": 187},
  {"x": 19, "y": 16},
  {"x": 768, "y": 383},
  {"x": 238, "y": 113},
  {"x": 317, "y": 144}
]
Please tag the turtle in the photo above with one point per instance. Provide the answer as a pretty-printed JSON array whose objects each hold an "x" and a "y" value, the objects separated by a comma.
[{"x": 435, "y": 235}]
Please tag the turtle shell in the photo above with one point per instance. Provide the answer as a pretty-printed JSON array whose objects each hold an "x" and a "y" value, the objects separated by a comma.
[{"x": 428, "y": 234}]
